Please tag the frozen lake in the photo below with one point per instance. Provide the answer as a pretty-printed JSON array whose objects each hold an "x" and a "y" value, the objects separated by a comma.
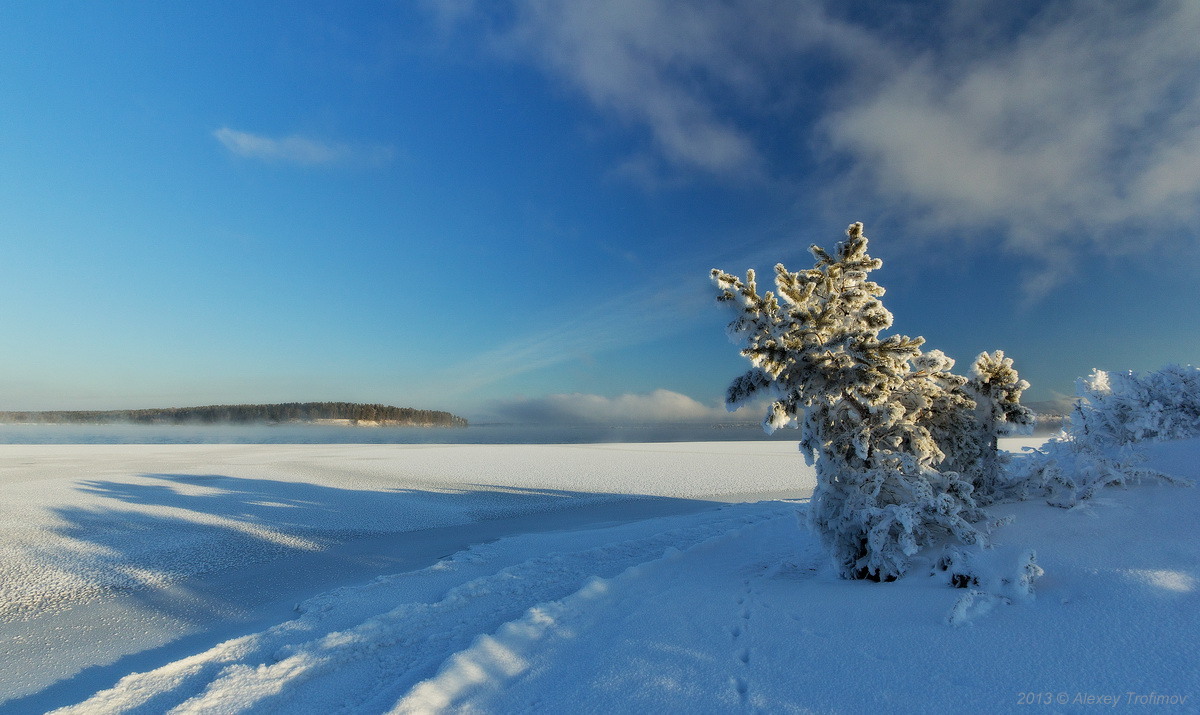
[
  {"x": 120, "y": 555},
  {"x": 337, "y": 434}
]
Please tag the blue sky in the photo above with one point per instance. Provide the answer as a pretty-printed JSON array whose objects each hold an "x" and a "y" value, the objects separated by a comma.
[{"x": 510, "y": 208}]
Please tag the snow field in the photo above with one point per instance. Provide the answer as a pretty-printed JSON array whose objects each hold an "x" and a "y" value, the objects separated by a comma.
[
  {"x": 112, "y": 550},
  {"x": 359, "y": 662},
  {"x": 732, "y": 608},
  {"x": 80, "y": 520}
]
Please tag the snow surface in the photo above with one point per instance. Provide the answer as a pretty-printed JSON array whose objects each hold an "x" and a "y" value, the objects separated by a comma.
[{"x": 626, "y": 578}]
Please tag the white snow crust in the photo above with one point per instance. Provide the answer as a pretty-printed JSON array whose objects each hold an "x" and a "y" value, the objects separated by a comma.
[{"x": 605, "y": 578}]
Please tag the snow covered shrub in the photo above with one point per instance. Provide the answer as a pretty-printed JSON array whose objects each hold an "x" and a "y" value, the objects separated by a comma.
[
  {"x": 1006, "y": 572},
  {"x": 1124, "y": 407},
  {"x": 1000, "y": 576},
  {"x": 897, "y": 438},
  {"x": 1113, "y": 413}
]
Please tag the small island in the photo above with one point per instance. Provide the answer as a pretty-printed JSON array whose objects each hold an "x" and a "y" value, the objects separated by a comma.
[{"x": 338, "y": 413}]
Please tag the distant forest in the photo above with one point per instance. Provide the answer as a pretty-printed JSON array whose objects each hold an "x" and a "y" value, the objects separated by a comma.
[{"x": 241, "y": 414}]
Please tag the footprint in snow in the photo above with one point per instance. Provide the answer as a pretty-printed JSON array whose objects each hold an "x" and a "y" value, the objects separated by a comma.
[{"x": 742, "y": 688}]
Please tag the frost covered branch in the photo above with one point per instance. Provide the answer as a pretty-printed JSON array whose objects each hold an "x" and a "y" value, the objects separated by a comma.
[{"x": 1114, "y": 412}]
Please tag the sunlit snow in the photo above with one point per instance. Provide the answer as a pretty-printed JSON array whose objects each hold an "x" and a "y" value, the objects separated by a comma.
[{"x": 623, "y": 577}]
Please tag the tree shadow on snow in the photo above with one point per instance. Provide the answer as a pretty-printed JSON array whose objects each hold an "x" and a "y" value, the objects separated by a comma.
[{"x": 216, "y": 552}]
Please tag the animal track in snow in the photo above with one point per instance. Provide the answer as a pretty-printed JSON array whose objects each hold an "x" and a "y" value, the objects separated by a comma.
[{"x": 741, "y": 653}]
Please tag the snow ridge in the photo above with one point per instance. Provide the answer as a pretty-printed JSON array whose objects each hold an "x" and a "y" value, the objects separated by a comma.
[
  {"x": 493, "y": 659},
  {"x": 371, "y": 664}
]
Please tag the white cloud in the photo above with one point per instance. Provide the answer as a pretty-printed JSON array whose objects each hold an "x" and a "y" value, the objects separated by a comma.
[
  {"x": 618, "y": 54},
  {"x": 1083, "y": 126},
  {"x": 297, "y": 149},
  {"x": 683, "y": 70},
  {"x": 1061, "y": 127},
  {"x": 657, "y": 406}
]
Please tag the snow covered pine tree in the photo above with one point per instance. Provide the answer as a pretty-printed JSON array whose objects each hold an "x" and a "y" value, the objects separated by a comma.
[{"x": 901, "y": 444}]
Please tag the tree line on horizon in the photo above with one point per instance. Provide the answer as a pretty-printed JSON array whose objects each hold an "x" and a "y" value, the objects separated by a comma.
[{"x": 242, "y": 414}]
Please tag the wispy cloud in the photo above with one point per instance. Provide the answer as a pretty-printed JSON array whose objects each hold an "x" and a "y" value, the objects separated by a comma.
[
  {"x": 1080, "y": 130},
  {"x": 631, "y": 318},
  {"x": 672, "y": 301},
  {"x": 686, "y": 71},
  {"x": 619, "y": 55},
  {"x": 1061, "y": 128},
  {"x": 577, "y": 408},
  {"x": 296, "y": 149}
]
